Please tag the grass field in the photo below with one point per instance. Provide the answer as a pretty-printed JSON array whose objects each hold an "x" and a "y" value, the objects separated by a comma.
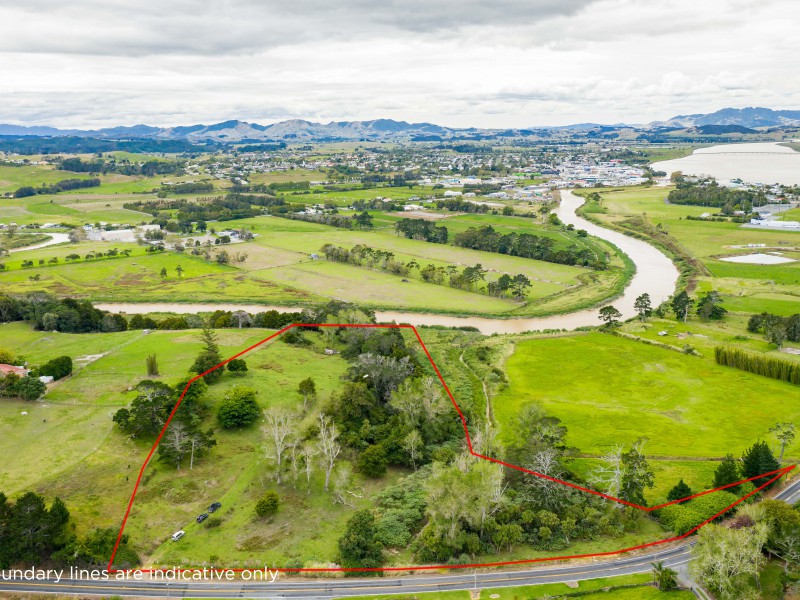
[
  {"x": 556, "y": 590},
  {"x": 137, "y": 278},
  {"x": 686, "y": 406}
]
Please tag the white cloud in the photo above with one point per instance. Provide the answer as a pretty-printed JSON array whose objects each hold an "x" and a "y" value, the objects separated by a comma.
[{"x": 459, "y": 62}]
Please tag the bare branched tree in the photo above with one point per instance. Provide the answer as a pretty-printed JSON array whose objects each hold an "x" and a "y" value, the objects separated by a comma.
[
  {"x": 279, "y": 428},
  {"x": 328, "y": 447}
]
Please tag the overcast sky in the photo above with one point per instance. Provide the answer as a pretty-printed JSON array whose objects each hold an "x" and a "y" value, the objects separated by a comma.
[{"x": 483, "y": 63}]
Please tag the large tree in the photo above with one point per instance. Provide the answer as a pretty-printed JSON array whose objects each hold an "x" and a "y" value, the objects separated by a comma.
[
  {"x": 758, "y": 459},
  {"x": 727, "y": 472},
  {"x": 358, "y": 548},
  {"x": 610, "y": 316},
  {"x": 681, "y": 305},
  {"x": 636, "y": 474},
  {"x": 785, "y": 433},
  {"x": 208, "y": 358},
  {"x": 643, "y": 306}
]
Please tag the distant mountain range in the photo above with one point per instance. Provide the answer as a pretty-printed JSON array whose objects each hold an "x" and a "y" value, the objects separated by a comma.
[
  {"x": 742, "y": 117},
  {"x": 727, "y": 120}
]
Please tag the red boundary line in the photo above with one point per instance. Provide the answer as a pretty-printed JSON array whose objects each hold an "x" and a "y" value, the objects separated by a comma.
[{"x": 777, "y": 474}]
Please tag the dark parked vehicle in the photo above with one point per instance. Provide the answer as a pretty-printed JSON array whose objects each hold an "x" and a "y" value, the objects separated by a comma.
[
  {"x": 202, "y": 517},
  {"x": 215, "y": 507}
]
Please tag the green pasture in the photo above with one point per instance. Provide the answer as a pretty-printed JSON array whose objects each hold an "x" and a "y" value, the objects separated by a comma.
[{"x": 687, "y": 406}]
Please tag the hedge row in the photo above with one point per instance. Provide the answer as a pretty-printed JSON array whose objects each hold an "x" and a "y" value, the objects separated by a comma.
[{"x": 769, "y": 366}]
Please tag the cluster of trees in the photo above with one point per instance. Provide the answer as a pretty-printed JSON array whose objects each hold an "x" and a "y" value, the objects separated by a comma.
[
  {"x": 54, "y": 188},
  {"x": 47, "y": 313},
  {"x": 262, "y": 148},
  {"x": 776, "y": 329},
  {"x": 769, "y": 366},
  {"x": 221, "y": 208},
  {"x": 362, "y": 220},
  {"x": 26, "y": 388},
  {"x": 526, "y": 245},
  {"x": 708, "y": 192},
  {"x": 421, "y": 229},
  {"x": 456, "y": 506},
  {"x": 377, "y": 204},
  {"x": 83, "y": 145},
  {"x": 147, "y": 168},
  {"x": 33, "y": 533},
  {"x": 517, "y": 286},
  {"x": 362, "y": 255},
  {"x": 756, "y": 460}
]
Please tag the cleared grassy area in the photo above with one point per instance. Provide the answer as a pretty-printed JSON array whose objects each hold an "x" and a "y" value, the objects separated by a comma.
[
  {"x": 73, "y": 209},
  {"x": 686, "y": 406},
  {"x": 383, "y": 290},
  {"x": 13, "y": 178}
]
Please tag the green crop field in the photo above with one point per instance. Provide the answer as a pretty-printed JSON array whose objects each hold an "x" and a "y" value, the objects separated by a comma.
[{"x": 687, "y": 406}]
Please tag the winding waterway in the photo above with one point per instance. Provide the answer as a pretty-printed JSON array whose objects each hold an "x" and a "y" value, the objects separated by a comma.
[{"x": 655, "y": 274}]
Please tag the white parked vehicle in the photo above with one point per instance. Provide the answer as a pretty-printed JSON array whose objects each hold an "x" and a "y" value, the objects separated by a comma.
[{"x": 178, "y": 535}]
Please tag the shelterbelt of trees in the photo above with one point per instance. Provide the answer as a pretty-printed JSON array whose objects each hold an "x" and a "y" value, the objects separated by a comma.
[
  {"x": 526, "y": 245},
  {"x": 60, "y": 186}
]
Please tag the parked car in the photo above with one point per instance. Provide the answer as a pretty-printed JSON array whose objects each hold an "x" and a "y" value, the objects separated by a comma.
[
  {"x": 178, "y": 535},
  {"x": 202, "y": 517},
  {"x": 215, "y": 507}
]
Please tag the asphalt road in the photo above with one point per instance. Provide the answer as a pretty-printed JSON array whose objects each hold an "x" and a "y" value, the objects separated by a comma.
[
  {"x": 334, "y": 588},
  {"x": 675, "y": 556}
]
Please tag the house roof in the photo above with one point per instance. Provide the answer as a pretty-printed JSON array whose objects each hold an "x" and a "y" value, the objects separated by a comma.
[{"x": 6, "y": 369}]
